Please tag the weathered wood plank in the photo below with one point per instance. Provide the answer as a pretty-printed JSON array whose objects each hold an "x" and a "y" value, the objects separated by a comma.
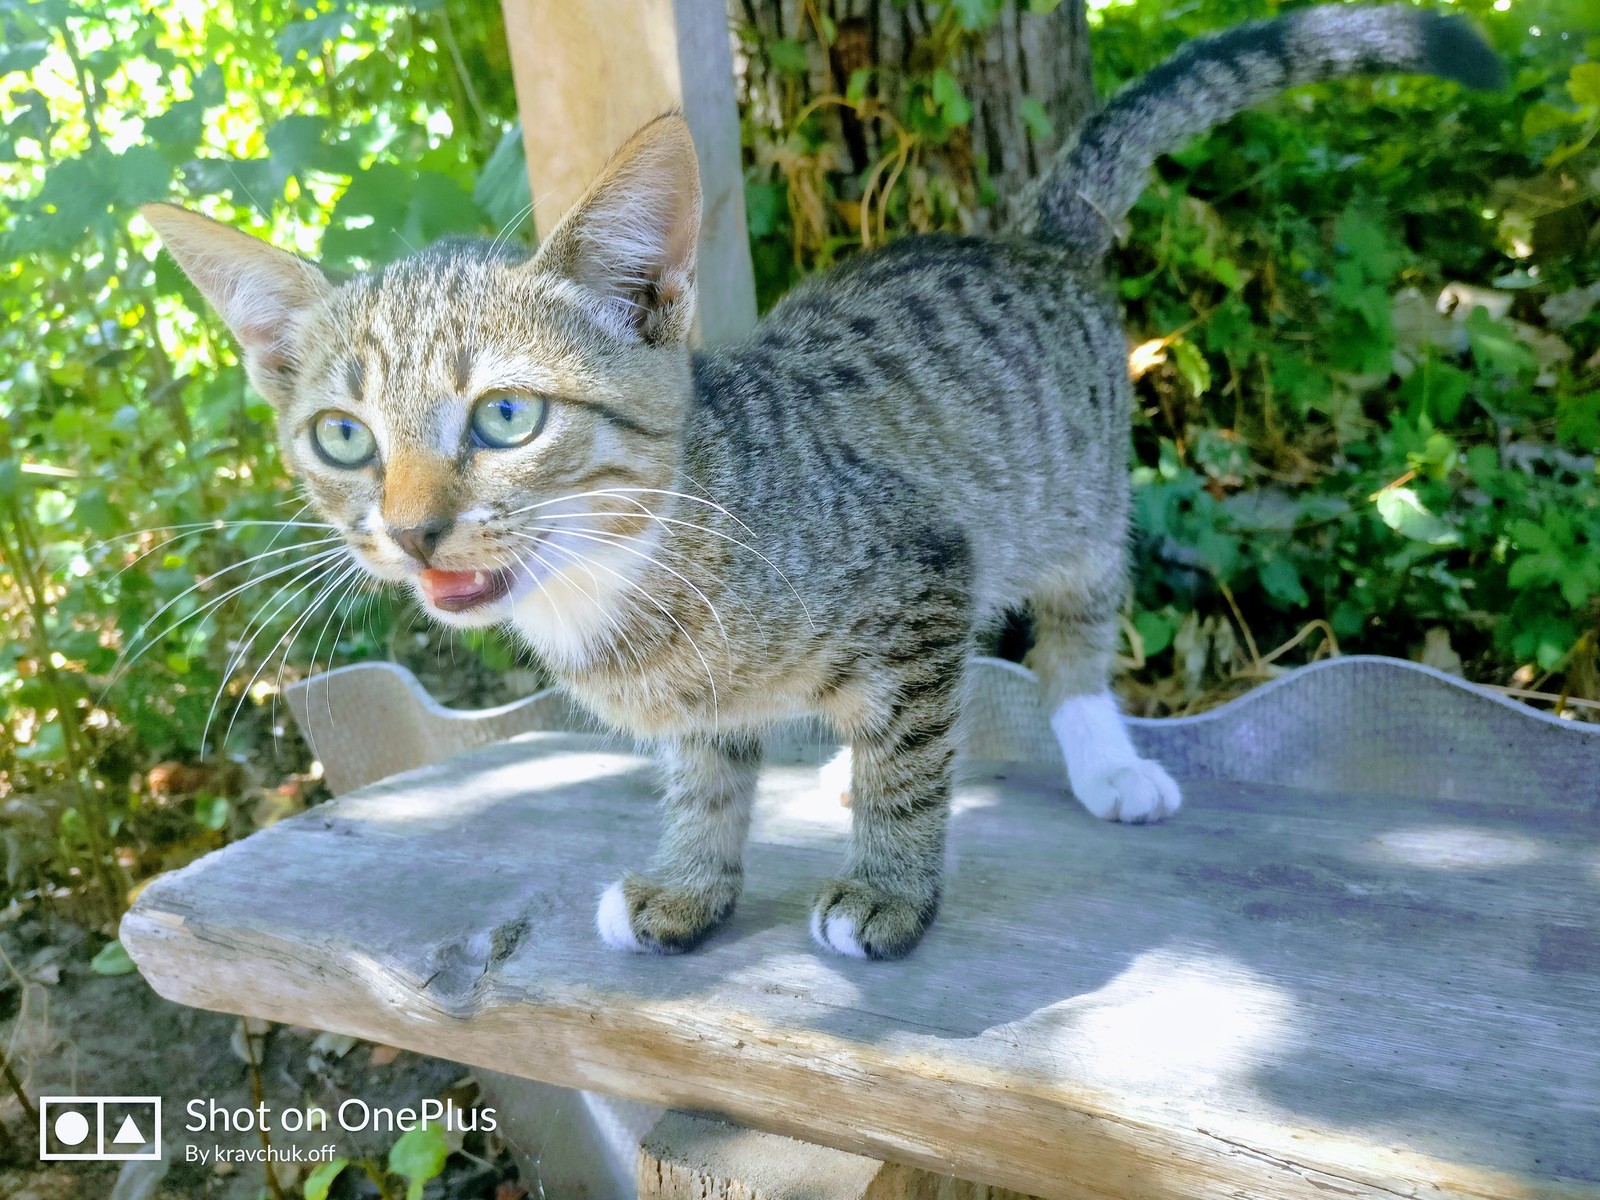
[
  {"x": 691, "y": 1158},
  {"x": 686, "y": 1157},
  {"x": 589, "y": 73},
  {"x": 1280, "y": 993}
]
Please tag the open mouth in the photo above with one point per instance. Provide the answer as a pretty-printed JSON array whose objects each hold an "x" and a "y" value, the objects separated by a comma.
[{"x": 459, "y": 591}]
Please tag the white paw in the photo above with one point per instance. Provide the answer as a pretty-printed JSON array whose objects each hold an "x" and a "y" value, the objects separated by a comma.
[
  {"x": 611, "y": 919},
  {"x": 1131, "y": 792},
  {"x": 839, "y": 935},
  {"x": 836, "y": 779}
]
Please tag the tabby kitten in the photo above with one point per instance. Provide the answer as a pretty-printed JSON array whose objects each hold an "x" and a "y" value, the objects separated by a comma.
[{"x": 816, "y": 520}]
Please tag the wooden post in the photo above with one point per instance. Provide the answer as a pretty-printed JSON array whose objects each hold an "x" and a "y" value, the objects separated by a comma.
[{"x": 590, "y": 72}]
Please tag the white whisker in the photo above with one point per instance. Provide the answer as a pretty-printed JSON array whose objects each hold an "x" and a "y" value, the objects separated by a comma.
[
  {"x": 350, "y": 578},
  {"x": 627, "y": 494},
  {"x": 610, "y": 618},
  {"x": 249, "y": 640},
  {"x": 286, "y": 644},
  {"x": 589, "y": 535},
  {"x": 665, "y": 611},
  {"x": 136, "y": 647}
]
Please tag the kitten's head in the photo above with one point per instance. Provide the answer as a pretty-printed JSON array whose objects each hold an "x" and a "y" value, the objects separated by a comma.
[{"x": 470, "y": 418}]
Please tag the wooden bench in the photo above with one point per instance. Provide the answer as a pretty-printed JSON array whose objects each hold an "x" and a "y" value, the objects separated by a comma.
[{"x": 1363, "y": 961}]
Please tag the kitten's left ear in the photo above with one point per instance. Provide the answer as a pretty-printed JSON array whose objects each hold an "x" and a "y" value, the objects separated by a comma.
[
  {"x": 261, "y": 292},
  {"x": 631, "y": 240}
]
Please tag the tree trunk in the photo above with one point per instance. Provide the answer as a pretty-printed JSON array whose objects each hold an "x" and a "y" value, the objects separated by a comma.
[{"x": 1018, "y": 56}]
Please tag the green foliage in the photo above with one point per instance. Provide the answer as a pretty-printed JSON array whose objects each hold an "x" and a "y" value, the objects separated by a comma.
[
  {"x": 321, "y": 1178},
  {"x": 112, "y": 960},
  {"x": 1389, "y": 285},
  {"x": 352, "y": 132},
  {"x": 417, "y": 1156}
]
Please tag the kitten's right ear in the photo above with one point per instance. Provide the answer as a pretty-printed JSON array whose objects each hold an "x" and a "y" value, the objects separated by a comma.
[{"x": 261, "y": 293}]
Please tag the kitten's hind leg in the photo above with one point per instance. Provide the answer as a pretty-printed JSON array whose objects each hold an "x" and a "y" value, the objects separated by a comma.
[
  {"x": 1076, "y": 631},
  {"x": 698, "y": 870}
]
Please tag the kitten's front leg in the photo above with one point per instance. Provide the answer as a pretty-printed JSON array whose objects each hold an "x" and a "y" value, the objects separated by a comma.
[
  {"x": 698, "y": 869},
  {"x": 901, "y": 778}
]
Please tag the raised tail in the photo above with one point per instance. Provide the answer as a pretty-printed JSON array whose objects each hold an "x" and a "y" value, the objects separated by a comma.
[{"x": 1095, "y": 181}]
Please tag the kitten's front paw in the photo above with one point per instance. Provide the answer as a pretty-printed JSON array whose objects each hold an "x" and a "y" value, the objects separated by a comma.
[
  {"x": 857, "y": 919},
  {"x": 637, "y": 914},
  {"x": 1133, "y": 792}
]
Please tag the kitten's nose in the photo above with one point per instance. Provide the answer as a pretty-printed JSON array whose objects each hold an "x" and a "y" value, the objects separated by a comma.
[{"x": 419, "y": 541}]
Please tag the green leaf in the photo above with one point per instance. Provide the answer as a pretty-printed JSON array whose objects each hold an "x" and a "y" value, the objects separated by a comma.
[
  {"x": 295, "y": 144},
  {"x": 1529, "y": 535},
  {"x": 178, "y": 130},
  {"x": 951, "y": 101},
  {"x": 764, "y": 207},
  {"x": 1348, "y": 618},
  {"x": 787, "y": 56},
  {"x": 860, "y": 81},
  {"x": 319, "y": 1181},
  {"x": 387, "y": 210},
  {"x": 1155, "y": 631},
  {"x": 1543, "y": 117},
  {"x": 1495, "y": 345},
  {"x": 1578, "y": 420},
  {"x": 1404, "y": 513},
  {"x": 249, "y": 182},
  {"x": 112, "y": 960},
  {"x": 976, "y": 14},
  {"x": 47, "y": 745},
  {"x": 1218, "y": 550},
  {"x": 1584, "y": 84},
  {"x": 1191, "y": 365},
  {"x": 1037, "y": 121},
  {"x": 308, "y": 37},
  {"x": 1435, "y": 389},
  {"x": 1281, "y": 581},
  {"x": 22, "y": 56},
  {"x": 502, "y": 190},
  {"x": 141, "y": 174},
  {"x": 1368, "y": 247},
  {"x": 76, "y": 191},
  {"x": 211, "y": 812},
  {"x": 419, "y": 1155},
  {"x": 1219, "y": 266}
]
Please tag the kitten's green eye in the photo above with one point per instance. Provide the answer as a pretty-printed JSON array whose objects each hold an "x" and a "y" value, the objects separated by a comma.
[
  {"x": 342, "y": 440},
  {"x": 501, "y": 420}
]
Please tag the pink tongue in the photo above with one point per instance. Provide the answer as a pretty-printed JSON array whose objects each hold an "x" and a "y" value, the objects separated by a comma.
[{"x": 443, "y": 587}]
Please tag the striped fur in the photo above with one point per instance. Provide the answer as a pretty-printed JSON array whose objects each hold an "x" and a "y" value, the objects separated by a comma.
[{"x": 820, "y": 519}]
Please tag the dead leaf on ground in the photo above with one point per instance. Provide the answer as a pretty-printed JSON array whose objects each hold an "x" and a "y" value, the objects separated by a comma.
[
  {"x": 1438, "y": 653},
  {"x": 249, "y": 1039},
  {"x": 333, "y": 1045}
]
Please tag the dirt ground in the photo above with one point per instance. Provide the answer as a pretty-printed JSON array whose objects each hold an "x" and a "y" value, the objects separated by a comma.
[
  {"x": 69, "y": 1031},
  {"x": 66, "y": 1030}
]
